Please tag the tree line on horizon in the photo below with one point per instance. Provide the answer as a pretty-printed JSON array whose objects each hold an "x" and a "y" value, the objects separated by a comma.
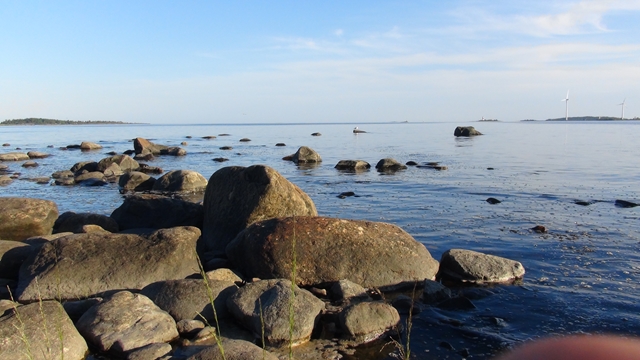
[{"x": 41, "y": 121}]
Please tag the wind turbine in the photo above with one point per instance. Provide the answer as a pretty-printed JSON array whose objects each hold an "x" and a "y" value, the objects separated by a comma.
[
  {"x": 622, "y": 104},
  {"x": 566, "y": 101}
]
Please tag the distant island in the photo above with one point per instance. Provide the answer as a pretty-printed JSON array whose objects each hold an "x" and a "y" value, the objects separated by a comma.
[
  {"x": 40, "y": 121},
  {"x": 592, "y": 118}
]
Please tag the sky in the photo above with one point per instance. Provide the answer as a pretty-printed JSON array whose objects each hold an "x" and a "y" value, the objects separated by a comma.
[{"x": 318, "y": 61}]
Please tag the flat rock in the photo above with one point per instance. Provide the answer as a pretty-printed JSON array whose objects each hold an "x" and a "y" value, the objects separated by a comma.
[
  {"x": 125, "y": 322},
  {"x": 37, "y": 333},
  {"x": 264, "y": 305},
  {"x": 37, "y": 155},
  {"x": 82, "y": 265},
  {"x": 21, "y": 218},
  {"x": 352, "y": 165},
  {"x": 371, "y": 254},
  {"x": 475, "y": 267},
  {"x": 237, "y": 197},
  {"x": 151, "y": 351},
  {"x": 233, "y": 350},
  {"x": 14, "y": 156}
]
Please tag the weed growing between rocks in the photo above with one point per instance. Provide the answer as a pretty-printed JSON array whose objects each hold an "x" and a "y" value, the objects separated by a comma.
[
  {"x": 293, "y": 289},
  {"x": 216, "y": 333},
  {"x": 21, "y": 330}
]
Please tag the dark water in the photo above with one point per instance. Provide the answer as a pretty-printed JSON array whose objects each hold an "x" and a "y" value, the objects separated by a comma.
[{"x": 582, "y": 276}]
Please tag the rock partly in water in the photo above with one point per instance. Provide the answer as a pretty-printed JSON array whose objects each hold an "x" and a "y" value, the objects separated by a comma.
[
  {"x": 84, "y": 265},
  {"x": 87, "y": 145},
  {"x": 493, "y": 201},
  {"x": 625, "y": 204},
  {"x": 466, "y": 131},
  {"x": 367, "y": 321},
  {"x": 306, "y": 154},
  {"x": 236, "y": 197},
  {"x": 264, "y": 305},
  {"x": 389, "y": 164},
  {"x": 434, "y": 292},
  {"x": 371, "y": 254},
  {"x": 37, "y": 155},
  {"x": 143, "y": 146},
  {"x": 352, "y": 165},
  {"x": 135, "y": 181},
  {"x": 126, "y": 322},
  {"x": 21, "y": 218},
  {"x": 14, "y": 156},
  {"x": 180, "y": 180},
  {"x": 125, "y": 162},
  {"x": 475, "y": 267}
]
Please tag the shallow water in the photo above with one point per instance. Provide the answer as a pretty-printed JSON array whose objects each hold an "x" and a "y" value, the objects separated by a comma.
[{"x": 582, "y": 276}]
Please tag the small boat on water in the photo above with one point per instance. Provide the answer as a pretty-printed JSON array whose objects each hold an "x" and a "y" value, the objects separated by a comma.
[{"x": 358, "y": 131}]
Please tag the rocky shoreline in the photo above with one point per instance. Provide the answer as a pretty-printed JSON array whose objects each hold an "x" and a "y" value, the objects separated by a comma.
[{"x": 253, "y": 266}]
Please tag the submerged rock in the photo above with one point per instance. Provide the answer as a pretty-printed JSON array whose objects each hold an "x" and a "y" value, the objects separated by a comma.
[
  {"x": 475, "y": 267},
  {"x": 625, "y": 204}
]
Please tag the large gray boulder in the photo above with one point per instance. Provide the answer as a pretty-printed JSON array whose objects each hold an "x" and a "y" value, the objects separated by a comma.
[
  {"x": 14, "y": 156},
  {"x": 21, "y": 218},
  {"x": 264, "y": 306},
  {"x": 180, "y": 180},
  {"x": 466, "y": 131},
  {"x": 157, "y": 212},
  {"x": 40, "y": 331},
  {"x": 88, "y": 145},
  {"x": 136, "y": 181},
  {"x": 233, "y": 350},
  {"x": 389, "y": 164},
  {"x": 306, "y": 155},
  {"x": 125, "y": 322},
  {"x": 126, "y": 163},
  {"x": 84, "y": 265},
  {"x": 73, "y": 222},
  {"x": 475, "y": 267},
  {"x": 84, "y": 166},
  {"x": 236, "y": 197},
  {"x": 142, "y": 145},
  {"x": 188, "y": 299},
  {"x": 371, "y": 254},
  {"x": 12, "y": 255},
  {"x": 367, "y": 321},
  {"x": 352, "y": 165}
]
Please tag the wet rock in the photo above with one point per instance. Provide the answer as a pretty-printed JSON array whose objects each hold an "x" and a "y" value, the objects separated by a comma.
[
  {"x": 180, "y": 180},
  {"x": 147, "y": 169},
  {"x": 245, "y": 140},
  {"x": 434, "y": 292},
  {"x": 237, "y": 197},
  {"x": 366, "y": 321},
  {"x": 493, "y": 201},
  {"x": 65, "y": 182},
  {"x": 411, "y": 163},
  {"x": 434, "y": 166},
  {"x": 125, "y": 162},
  {"x": 233, "y": 350},
  {"x": 371, "y": 254},
  {"x": 265, "y": 306},
  {"x": 475, "y": 267},
  {"x": 81, "y": 265},
  {"x": 316, "y": 134},
  {"x": 87, "y": 145},
  {"x": 352, "y": 165},
  {"x": 62, "y": 174},
  {"x": 143, "y": 146},
  {"x": 281, "y": 144},
  {"x": 389, "y": 164},
  {"x": 224, "y": 134},
  {"x": 583, "y": 203},
  {"x": 21, "y": 218},
  {"x": 125, "y": 322},
  {"x": 346, "y": 194},
  {"x": 29, "y": 164},
  {"x": 145, "y": 156},
  {"x": 188, "y": 299},
  {"x": 539, "y": 229},
  {"x": 209, "y": 137},
  {"x": 47, "y": 330},
  {"x": 136, "y": 181},
  {"x": 14, "y": 156},
  {"x": 37, "y": 155},
  {"x": 157, "y": 212},
  {"x": 220, "y": 159},
  {"x": 358, "y": 131},
  {"x": 625, "y": 204},
  {"x": 306, "y": 154},
  {"x": 226, "y": 148},
  {"x": 73, "y": 222},
  {"x": 466, "y": 131},
  {"x": 84, "y": 166}
]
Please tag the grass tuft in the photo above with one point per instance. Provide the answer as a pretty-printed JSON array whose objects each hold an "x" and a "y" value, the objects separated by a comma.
[{"x": 216, "y": 334}]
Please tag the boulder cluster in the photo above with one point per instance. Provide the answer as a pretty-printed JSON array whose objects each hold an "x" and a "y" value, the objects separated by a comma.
[{"x": 248, "y": 272}]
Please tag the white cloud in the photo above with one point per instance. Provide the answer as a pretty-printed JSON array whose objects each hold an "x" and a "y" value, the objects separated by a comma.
[{"x": 338, "y": 32}]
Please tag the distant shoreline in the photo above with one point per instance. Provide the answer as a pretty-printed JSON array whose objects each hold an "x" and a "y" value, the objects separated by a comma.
[{"x": 39, "y": 121}]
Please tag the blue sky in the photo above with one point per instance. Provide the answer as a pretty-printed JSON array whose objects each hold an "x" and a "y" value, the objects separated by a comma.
[{"x": 329, "y": 61}]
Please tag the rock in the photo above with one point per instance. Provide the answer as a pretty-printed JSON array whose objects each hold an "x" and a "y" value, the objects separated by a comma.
[
  {"x": 94, "y": 175},
  {"x": 125, "y": 162},
  {"x": 84, "y": 166},
  {"x": 233, "y": 350},
  {"x": 466, "y": 131},
  {"x": 5, "y": 180},
  {"x": 87, "y": 145},
  {"x": 125, "y": 322},
  {"x": 389, "y": 164},
  {"x": 272, "y": 299},
  {"x": 245, "y": 140},
  {"x": 151, "y": 351},
  {"x": 189, "y": 328},
  {"x": 147, "y": 169},
  {"x": 21, "y": 218},
  {"x": 344, "y": 290},
  {"x": 539, "y": 229},
  {"x": 226, "y": 148},
  {"x": 209, "y": 137},
  {"x": 136, "y": 181},
  {"x": 352, "y": 165},
  {"x": 72, "y": 222},
  {"x": 184, "y": 143},
  {"x": 583, "y": 203},
  {"x": 281, "y": 144},
  {"x": 157, "y": 212},
  {"x": 14, "y": 156},
  {"x": 475, "y": 267},
  {"x": 40, "y": 331},
  {"x": 141, "y": 144},
  {"x": 82, "y": 265},
  {"x": 223, "y": 275},
  {"x": 4, "y": 168},
  {"x": 237, "y": 197},
  {"x": 174, "y": 151},
  {"x": 434, "y": 292},
  {"x": 29, "y": 164},
  {"x": 316, "y": 134},
  {"x": 411, "y": 163},
  {"x": 12, "y": 255},
  {"x": 493, "y": 201},
  {"x": 76, "y": 308},
  {"x": 64, "y": 181},
  {"x": 7, "y": 305},
  {"x": 346, "y": 194},
  {"x": 224, "y": 134},
  {"x": 405, "y": 305},
  {"x": 371, "y": 254},
  {"x": 6, "y": 144},
  {"x": 188, "y": 299},
  {"x": 180, "y": 180},
  {"x": 366, "y": 321},
  {"x": 458, "y": 303},
  {"x": 146, "y": 155},
  {"x": 306, "y": 155},
  {"x": 625, "y": 204},
  {"x": 220, "y": 159},
  {"x": 37, "y": 155},
  {"x": 358, "y": 131}
]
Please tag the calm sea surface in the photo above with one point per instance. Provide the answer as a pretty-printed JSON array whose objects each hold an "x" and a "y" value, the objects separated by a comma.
[{"x": 582, "y": 276}]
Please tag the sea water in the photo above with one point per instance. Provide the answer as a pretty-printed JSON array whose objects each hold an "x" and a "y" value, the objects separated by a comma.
[{"x": 581, "y": 277}]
